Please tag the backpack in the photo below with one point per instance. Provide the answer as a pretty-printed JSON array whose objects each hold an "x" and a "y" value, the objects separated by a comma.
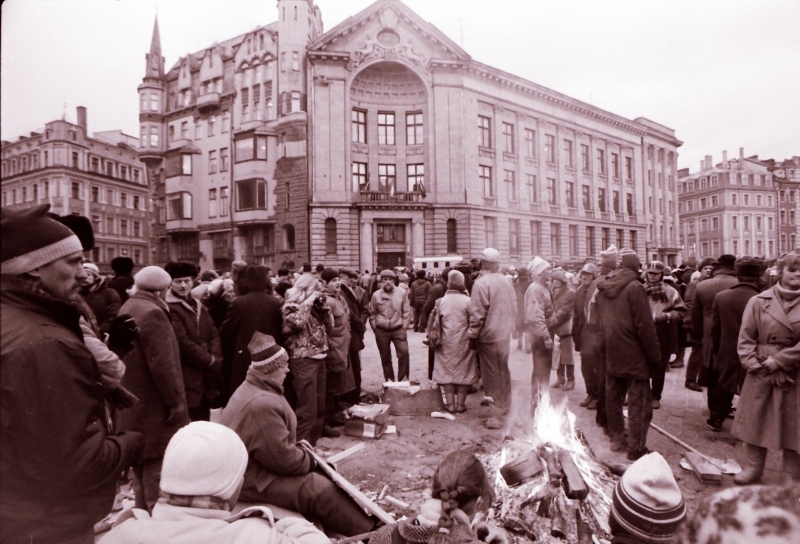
[{"x": 434, "y": 331}]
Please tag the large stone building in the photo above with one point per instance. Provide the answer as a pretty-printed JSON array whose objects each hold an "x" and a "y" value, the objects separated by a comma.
[
  {"x": 730, "y": 207},
  {"x": 98, "y": 176},
  {"x": 786, "y": 178},
  {"x": 382, "y": 140}
]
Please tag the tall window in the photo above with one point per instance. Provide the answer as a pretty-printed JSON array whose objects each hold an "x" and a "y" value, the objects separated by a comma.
[
  {"x": 550, "y": 147},
  {"x": 358, "y": 126},
  {"x": 615, "y": 203},
  {"x": 508, "y": 138},
  {"x": 212, "y": 162},
  {"x": 179, "y": 206},
  {"x": 198, "y": 130},
  {"x": 536, "y": 238},
  {"x": 386, "y": 128},
  {"x": 605, "y": 238},
  {"x": 226, "y": 121},
  {"x": 245, "y": 105},
  {"x": 590, "y": 250},
  {"x": 211, "y": 122},
  {"x": 485, "y": 175},
  {"x": 509, "y": 176},
  {"x": 586, "y": 197},
  {"x": 330, "y": 236},
  {"x": 212, "y": 202},
  {"x": 451, "y": 236},
  {"x": 95, "y": 194},
  {"x": 585, "y": 165},
  {"x": 295, "y": 101},
  {"x": 251, "y": 194},
  {"x": 555, "y": 238},
  {"x": 223, "y": 159},
  {"x": 569, "y": 154},
  {"x": 415, "y": 173},
  {"x": 621, "y": 238},
  {"x": 414, "y": 128},
  {"x": 513, "y": 236},
  {"x": 530, "y": 143},
  {"x": 601, "y": 200},
  {"x": 628, "y": 168},
  {"x": 387, "y": 178},
  {"x": 629, "y": 203},
  {"x": 615, "y": 165},
  {"x": 296, "y": 60},
  {"x": 552, "y": 193},
  {"x": 484, "y": 131},
  {"x": 491, "y": 239},
  {"x": 359, "y": 176},
  {"x": 533, "y": 194},
  {"x": 573, "y": 239},
  {"x": 153, "y": 136},
  {"x": 569, "y": 193},
  {"x": 223, "y": 201},
  {"x": 601, "y": 161}
]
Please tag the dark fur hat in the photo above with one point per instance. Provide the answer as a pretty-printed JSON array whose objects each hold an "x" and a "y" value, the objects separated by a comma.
[
  {"x": 80, "y": 225},
  {"x": 122, "y": 266},
  {"x": 181, "y": 269}
]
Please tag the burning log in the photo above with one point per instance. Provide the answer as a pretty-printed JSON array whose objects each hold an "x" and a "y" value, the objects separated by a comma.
[
  {"x": 558, "y": 525},
  {"x": 525, "y": 467},
  {"x": 553, "y": 468},
  {"x": 574, "y": 485},
  {"x": 584, "y": 531},
  {"x": 544, "y": 507},
  {"x": 519, "y": 528}
]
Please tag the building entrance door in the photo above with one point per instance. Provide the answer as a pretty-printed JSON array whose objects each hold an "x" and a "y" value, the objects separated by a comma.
[{"x": 388, "y": 260}]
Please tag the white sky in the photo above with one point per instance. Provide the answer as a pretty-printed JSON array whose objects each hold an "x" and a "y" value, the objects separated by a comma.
[{"x": 723, "y": 73}]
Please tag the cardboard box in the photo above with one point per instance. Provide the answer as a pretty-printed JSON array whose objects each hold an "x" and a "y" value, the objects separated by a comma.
[
  {"x": 364, "y": 429},
  {"x": 373, "y": 413},
  {"x": 405, "y": 403}
]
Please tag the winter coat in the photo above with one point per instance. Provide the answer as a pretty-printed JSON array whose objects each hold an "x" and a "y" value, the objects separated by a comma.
[
  {"x": 255, "y": 311},
  {"x": 389, "y": 311},
  {"x": 437, "y": 291},
  {"x": 419, "y": 291},
  {"x": 579, "y": 316},
  {"x": 358, "y": 316},
  {"x": 338, "y": 360},
  {"x": 184, "y": 525},
  {"x": 105, "y": 304},
  {"x": 198, "y": 339},
  {"x": 667, "y": 314},
  {"x": 455, "y": 363},
  {"x": 538, "y": 309},
  {"x": 629, "y": 335},
  {"x": 59, "y": 464},
  {"x": 769, "y": 416},
  {"x": 492, "y": 309},
  {"x": 304, "y": 334},
  {"x": 121, "y": 284},
  {"x": 688, "y": 300},
  {"x": 563, "y": 305},
  {"x": 153, "y": 373},
  {"x": 265, "y": 422},
  {"x": 520, "y": 288},
  {"x": 726, "y": 320},
  {"x": 702, "y": 304},
  {"x": 591, "y": 340}
]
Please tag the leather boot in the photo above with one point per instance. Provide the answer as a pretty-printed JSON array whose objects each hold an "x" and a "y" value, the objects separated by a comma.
[
  {"x": 461, "y": 398},
  {"x": 449, "y": 396},
  {"x": 756, "y": 458},
  {"x": 561, "y": 379},
  {"x": 570, "y": 377},
  {"x": 791, "y": 464}
]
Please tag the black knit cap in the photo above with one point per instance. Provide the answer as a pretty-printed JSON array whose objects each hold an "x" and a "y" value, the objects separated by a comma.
[
  {"x": 750, "y": 267},
  {"x": 726, "y": 260},
  {"x": 122, "y": 265},
  {"x": 181, "y": 269}
]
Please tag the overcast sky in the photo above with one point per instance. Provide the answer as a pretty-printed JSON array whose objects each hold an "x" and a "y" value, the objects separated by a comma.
[{"x": 723, "y": 73}]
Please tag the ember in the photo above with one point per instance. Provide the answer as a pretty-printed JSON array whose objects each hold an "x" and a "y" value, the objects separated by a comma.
[{"x": 548, "y": 482}]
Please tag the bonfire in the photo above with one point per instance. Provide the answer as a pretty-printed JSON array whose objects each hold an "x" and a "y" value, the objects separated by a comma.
[{"x": 549, "y": 484}]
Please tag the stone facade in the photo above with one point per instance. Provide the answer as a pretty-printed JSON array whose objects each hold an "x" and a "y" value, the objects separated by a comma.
[{"x": 98, "y": 176}]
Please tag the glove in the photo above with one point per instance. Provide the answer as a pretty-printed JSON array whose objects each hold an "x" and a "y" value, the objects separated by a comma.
[
  {"x": 489, "y": 533},
  {"x": 176, "y": 414},
  {"x": 473, "y": 344},
  {"x": 120, "y": 398},
  {"x": 122, "y": 333},
  {"x": 301, "y": 530},
  {"x": 771, "y": 364},
  {"x": 131, "y": 441}
]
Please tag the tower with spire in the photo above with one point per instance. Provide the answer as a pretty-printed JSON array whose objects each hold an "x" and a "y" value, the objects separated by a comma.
[{"x": 152, "y": 93}]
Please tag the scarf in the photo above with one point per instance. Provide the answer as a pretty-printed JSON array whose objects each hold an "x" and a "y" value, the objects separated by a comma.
[
  {"x": 656, "y": 291},
  {"x": 206, "y": 502},
  {"x": 788, "y": 298}
]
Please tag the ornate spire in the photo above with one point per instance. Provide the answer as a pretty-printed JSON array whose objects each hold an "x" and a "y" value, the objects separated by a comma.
[{"x": 155, "y": 62}]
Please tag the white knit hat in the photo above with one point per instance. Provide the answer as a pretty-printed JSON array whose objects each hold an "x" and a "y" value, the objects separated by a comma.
[
  {"x": 490, "y": 255},
  {"x": 537, "y": 266},
  {"x": 204, "y": 459}
]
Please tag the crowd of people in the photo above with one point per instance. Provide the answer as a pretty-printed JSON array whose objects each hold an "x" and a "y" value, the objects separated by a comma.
[{"x": 101, "y": 376}]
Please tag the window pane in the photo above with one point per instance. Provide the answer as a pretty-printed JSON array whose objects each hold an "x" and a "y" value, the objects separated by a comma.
[{"x": 244, "y": 149}]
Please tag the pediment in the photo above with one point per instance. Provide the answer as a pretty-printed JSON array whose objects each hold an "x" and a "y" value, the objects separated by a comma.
[{"x": 388, "y": 29}]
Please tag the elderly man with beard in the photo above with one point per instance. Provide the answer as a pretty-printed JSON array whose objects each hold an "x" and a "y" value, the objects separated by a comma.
[
  {"x": 492, "y": 311},
  {"x": 59, "y": 458},
  {"x": 389, "y": 317}
]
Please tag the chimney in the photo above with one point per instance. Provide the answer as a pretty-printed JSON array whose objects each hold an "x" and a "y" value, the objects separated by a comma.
[
  {"x": 741, "y": 158},
  {"x": 725, "y": 160},
  {"x": 82, "y": 118},
  {"x": 709, "y": 164}
]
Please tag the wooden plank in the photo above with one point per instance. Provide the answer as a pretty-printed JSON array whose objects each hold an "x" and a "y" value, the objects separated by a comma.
[
  {"x": 396, "y": 502},
  {"x": 705, "y": 471},
  {"x": 574, "y": 485},
  {"x": 362, "y": 500},
  {"x": 333, "y": 459},
  {"x": 523, "y": 468}
]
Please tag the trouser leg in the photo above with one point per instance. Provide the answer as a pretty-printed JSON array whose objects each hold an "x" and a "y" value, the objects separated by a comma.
[
  {"x": 601, "y": 418},
  {"x": 319, "y": 420},
  {"x": 615, "y": 389},
  {"x": 695, "y": 363},
  {"x": 305, "y": 374},
  {"x": 383, "y": 340},
  {"x": 660, "y": 374},
  {"x": 202, "y": 412},
  {"x": 493, "y": 359},
  {"x": 542, "y": 358},
  {"x": 147, "y": 483},
  {"x": 431, "y": 360},
  {"x": 640, "y": 414},
  {"x": 589, "y": 371},
  {"x": 400, "y": 341},
  {"x": 354, "y": 396}
]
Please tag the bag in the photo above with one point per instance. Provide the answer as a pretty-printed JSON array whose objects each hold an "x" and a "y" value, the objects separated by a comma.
[{"x": 434, "y": 331}]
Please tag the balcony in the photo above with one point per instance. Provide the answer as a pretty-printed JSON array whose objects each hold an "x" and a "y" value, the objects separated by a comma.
[
  {"x": 490, "y": 201},
  {"x": 387, "y": 197},
  {"x": 208, "y": 102}
]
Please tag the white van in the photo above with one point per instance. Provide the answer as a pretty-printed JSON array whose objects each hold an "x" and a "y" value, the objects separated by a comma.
[{"x": 437, "y": 264}]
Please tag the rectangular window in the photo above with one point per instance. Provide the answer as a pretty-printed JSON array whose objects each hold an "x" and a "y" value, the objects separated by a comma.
[
  {"x": 714, "y": 201},
  {"x": 136, "y": 202},
  {"x": 485, "y": 175},
  {"x": 123, "y": 200},
  {"x": 615, "y": 203},
  {"x": 601, "y": 161},
  {"x": 359, "y": 176},
  {"x": 746, "y": 223},
  {"x": 179, "y": 206},
  {"x": 491, "y": 238},
  {"x": 223, "y": 159},
  {"x": 212, "y": 162},
  {"x": 770, "y": 223},
  {"x": 508, "y": 138},
  {"x": 530, "y": 143},
  {"x": 735, "y": 222},
  {"x": 251, "y": 194},
  {"x": 296, "y": 101},
  {"x": 628, "y": 168},
  {"x": 573, "y": 239},
  {"x": 153, "y": 102},
  {"x": 95, "y": 194},
  {"x": 184, "y": 130},
  {"x": 555, "y": 238},
  {"x": 552, "y": 192},
  {"x": 586, "y": 197},
  {"x": 605, "y": 238},
  {"x": 569, "y": 193},
  {"x": 621, "y": 238},
  {"x": 568, "y": 154},
  {"x": 109, "y": 196},
  {"x": 223, "y": 201},
  {"x": 387, "y": 178},
  {"x": 226, "y": 121},
  {"x": 186, "y": 164},
  {"x": 76, "y": 190},
  {"x": 536, "y": 238},
  {"x": 245, "y": 149},
  {"x": 295, "y": 61},
  {"x": 358, "y": 126},
  {"x": 550, "y": 148},
  {"x": 109, "y": 225},
  {"x": 590, "y": 249},
  {"x": 585, "y": 164},
  {"x": 153, "y": 136},
  {"x": 386, "y": 128},
  {"x": 615, "y": 165},
  {"x": 246, "y": 104},
  {"x": 391, "y": 234},
  {"x": 123, "y": 227},
  {"x": 212, "y": 202},
  {"x": 414, "y": 128},
  {"x": 601, "y": 200},
  {"x": 533, "y": 193},
  {"x": 484, "y": 131},
  {"x": 703, "y": 203},
  {"x": 415, "y": 173},
  {"x": 211, "y": 122},
  {"x": 513, "y": 236},
  {"x": 510, "y": 178}
]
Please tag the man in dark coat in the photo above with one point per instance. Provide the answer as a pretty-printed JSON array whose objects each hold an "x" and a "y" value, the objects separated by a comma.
[
  {"x": 723, "y": 277},
  {"x": 418, "y": 294},
  {"x": 353, "y": 295},
  {"x": 586, "y": 276},
  {"x": 198, "y": 338},
  {"x": 255, "y": 311},
  {"x": 122, "y": 280},
  {"x": 725, "y": 373},
  {"x": 695, "y": 374},
  {"x": 59, "y": 456},
  {"x": 632, "y": 354}
]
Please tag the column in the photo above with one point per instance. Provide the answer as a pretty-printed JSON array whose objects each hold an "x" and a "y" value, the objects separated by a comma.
[
  {"x": 367, "y": 262},
  {"x": 417, "y": 239}
]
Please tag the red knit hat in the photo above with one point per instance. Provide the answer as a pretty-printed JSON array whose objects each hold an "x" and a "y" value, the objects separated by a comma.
[{"x": 30, "y": 239}]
